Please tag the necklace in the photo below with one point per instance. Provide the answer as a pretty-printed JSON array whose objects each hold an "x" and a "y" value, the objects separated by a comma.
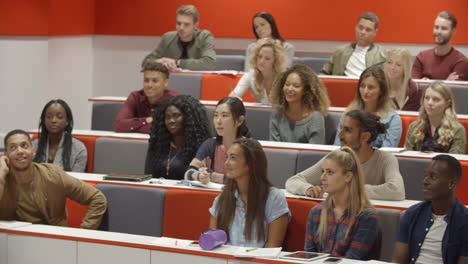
[{"x": 170, "y": 160}]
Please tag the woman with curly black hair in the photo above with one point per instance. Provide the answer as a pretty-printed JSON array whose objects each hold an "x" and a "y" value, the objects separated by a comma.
[
  {"x": 55, "y": 143},
  {"x": 180, "y": 126}
]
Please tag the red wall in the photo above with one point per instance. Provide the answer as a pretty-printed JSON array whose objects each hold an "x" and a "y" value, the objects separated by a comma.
[{"x": 401, "y": 21}]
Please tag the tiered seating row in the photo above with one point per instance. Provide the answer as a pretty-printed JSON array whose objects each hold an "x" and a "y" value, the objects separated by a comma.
[
  {"x": 258, "y": 118},
  {"x": 164, "y": 210}
]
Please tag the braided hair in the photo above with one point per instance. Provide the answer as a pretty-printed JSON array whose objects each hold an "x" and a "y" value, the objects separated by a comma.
[
  {"x": 44, "y": 135},
  {"x": 196, "y": 128}
]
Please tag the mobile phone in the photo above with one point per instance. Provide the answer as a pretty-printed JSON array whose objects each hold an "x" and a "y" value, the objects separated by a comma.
[
  {"x": 332, "y": 260},
  {"x": 304, "y": 256}
]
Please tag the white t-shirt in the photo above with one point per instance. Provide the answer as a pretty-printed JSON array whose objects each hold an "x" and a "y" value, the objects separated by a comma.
[
  {"x": 357, "y": 62},
  {"x": 431, "y": 249}
]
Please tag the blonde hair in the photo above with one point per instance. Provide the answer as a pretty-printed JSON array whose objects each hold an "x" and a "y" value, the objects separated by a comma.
[
  {"x": 448, "y": 121},
  {"x": 384, "y": 103},
  {"x": 358, "y": 202},
  {"x": 402, "y": 90},
  {"x": 278, "y": 64},
  {"x": 315, "y": 93},
  {"x": 188, "y": 10}
]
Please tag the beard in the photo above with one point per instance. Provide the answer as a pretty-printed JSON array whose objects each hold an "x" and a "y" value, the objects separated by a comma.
[{"x": 443, "y": 41}]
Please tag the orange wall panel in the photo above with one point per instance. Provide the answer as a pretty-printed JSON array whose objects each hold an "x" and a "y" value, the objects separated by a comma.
[
  {"x": 71, "y": 17},
  {"x": 24, "y": 17},
  {"x": 401, "y": 21}
]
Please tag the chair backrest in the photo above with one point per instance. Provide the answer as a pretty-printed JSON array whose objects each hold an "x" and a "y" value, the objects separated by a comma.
[
  {"x": 307, "y": 158},
  {"x": 103, "y": 115},
  {"x": 120, "y": 155},
  {"x": 389, "y": 221},
  {"x": 314, "y": 62},
  {"x": 258, "y": 120},
  {"x": 331, "y": 123},
  {"x": 133, "y": 209},
  {"x": 412, "y": 171},
  {"x": 186, "y": 83},
  {"x": 230, "y": 62},
  {"x": 295, "y": 235},
  {"x": 281, "y": 165}
]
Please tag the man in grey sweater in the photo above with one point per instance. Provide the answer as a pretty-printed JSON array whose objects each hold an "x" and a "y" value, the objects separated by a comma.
[{"x": 382, "y": 175}]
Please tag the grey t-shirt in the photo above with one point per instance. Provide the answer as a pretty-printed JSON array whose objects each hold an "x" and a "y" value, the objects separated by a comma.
[{"x": 310, "y": 130}]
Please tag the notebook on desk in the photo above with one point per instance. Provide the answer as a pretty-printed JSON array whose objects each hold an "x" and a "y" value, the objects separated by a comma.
[{"x": 127, "y": 177}]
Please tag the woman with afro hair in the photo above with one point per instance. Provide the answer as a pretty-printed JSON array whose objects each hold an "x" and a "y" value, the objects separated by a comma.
[{"x": 180, "y": 126}]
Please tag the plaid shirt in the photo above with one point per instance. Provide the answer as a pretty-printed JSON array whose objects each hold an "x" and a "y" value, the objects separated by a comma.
[{"x": 360, "y": 239}]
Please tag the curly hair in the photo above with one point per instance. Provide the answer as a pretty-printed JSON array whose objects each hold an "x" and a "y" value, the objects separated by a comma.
[
  {"x": 315, "y": 93},
  {"x": 196, "y": 128},
  {"x": 384, "y": 103},
  {"x": 448, "y": 121},
  {"x": 237, "y": 110},
  {"x": 44, "y": 135},
  {"x": 269, "y": 18},
  {"x": 278, "y": 64}
]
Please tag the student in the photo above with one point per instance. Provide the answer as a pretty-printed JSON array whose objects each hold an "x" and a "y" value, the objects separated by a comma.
[
  {"x": 443, "y": 62},
  {"x": 187, "y": 47},
  {"x": 180, "y": 127},
  {"x": 345, "y": 224},
  {"x": 266, "y": 62},
  {"x": 435, "y": 230},
  {"x": 136, "y": 114},
  {"x": 352, "y": 59},
  {"x": 251, "y": 211},
  {"x": 55, "y": 143},
  {"x": 381, "y": 173},
  {"x": 37, "y": 192},
  {"x": 301, "y": 103},
  {"x": 229, "y": 123},
  {"x": 405, "y": 93},
  {"x": 264, "y": 26},
  {"x": 372, "y": 96},
  {"x": 437, "y": 128}
]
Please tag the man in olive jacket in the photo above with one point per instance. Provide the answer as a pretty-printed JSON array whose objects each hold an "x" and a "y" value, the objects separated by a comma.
[
  {"x": 352, "y": 59},
  {"x": 188, "y": 47}
]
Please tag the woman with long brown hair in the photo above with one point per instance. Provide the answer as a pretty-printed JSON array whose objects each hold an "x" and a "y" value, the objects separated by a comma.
[{"x": 251, "y": 211}]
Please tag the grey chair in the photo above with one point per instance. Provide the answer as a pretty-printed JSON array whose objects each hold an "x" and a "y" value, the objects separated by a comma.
[
  {"x": 281, "y": 165},
  {"x": 307, "y": 158},
  {"x": 389, "y": 221},
  {"x": 331, "y": 123},
  {"x": 412, "y": 171},
  {"x": 120, "y": 155},
  {"x": 230, "y": 62},
  {"x": 103, "y": 115},
  {"x": 313, "y": 62},
  {"x": 186, "y": 83},
  {"x": 258, "y": 120},
  {"x": 133, "y": 209}
]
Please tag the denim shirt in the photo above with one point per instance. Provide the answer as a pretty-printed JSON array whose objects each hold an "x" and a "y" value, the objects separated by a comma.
[
  {"x": 276, "y": 206},
  {"x": 417, "y": 221}
]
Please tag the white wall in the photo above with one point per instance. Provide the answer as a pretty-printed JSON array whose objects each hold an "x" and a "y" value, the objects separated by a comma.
[
  {"x": 34, "y": 70},
  {"x": 24, "y": 81}
]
